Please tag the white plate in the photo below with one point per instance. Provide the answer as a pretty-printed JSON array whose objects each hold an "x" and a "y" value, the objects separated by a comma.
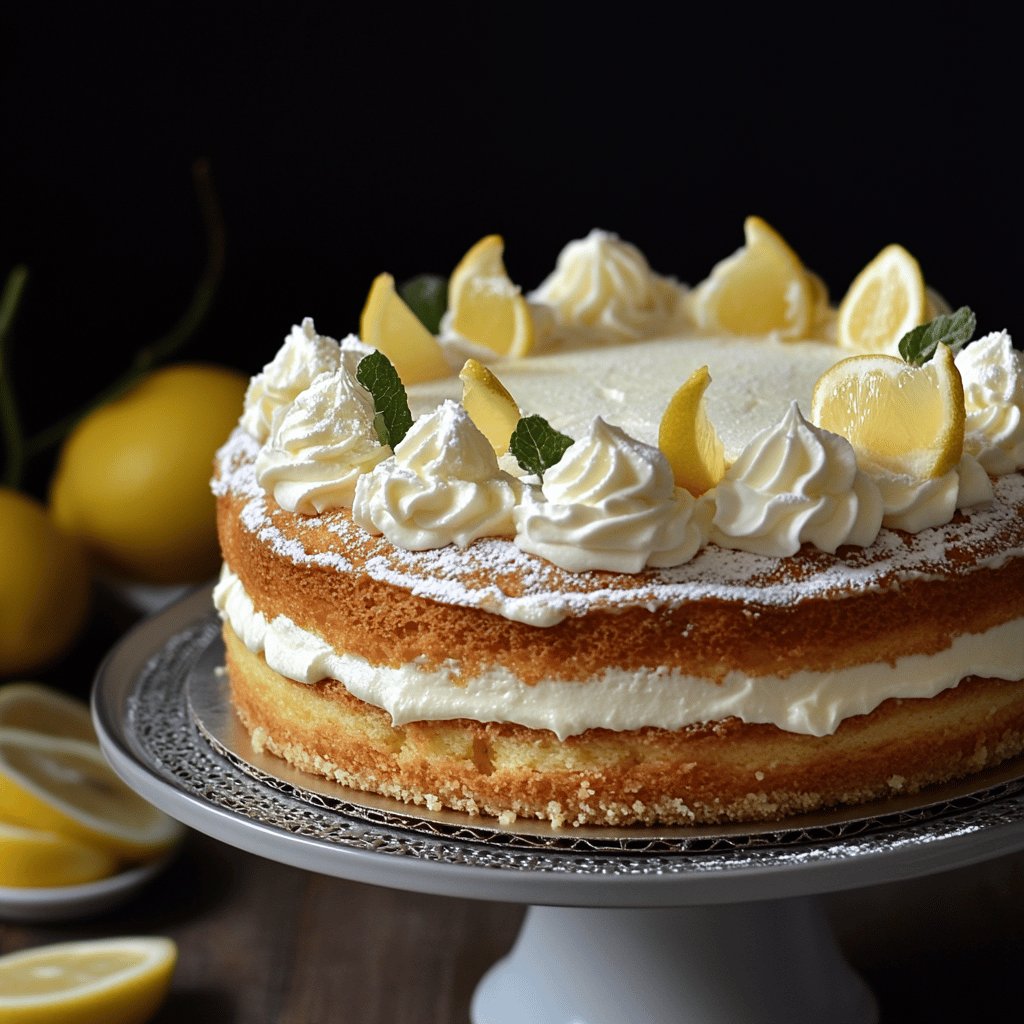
[{"x": 66, "y": 902}]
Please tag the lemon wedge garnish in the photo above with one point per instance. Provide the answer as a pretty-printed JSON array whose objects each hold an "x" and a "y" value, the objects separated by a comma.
[
  {"x": 688, "y": 439},
  {"x": 30, "y": 858},
  {"x": 489, "y": 405},
  {"x": 762, "y": 288},
  {"x": 91, "y": 981},
  {"x": 484, "y": 306},
  {"x": 39, "y": 708},
  {"x": 906, "y": 419},
  {"x": 65, "y": 786},
  {"x": 390, "y": 326},
  {"x": 887, "y": 299}
]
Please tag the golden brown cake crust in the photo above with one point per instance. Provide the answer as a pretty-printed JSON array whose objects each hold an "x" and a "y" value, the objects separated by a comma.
[{"x": 726, "y": 772}]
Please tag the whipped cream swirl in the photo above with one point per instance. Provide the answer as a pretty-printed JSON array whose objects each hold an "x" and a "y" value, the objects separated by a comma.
[
  {"x": 610, "y": 503},
  {"x": 795, "y": 483},
  {"x": 993, "y": 375},
  {"x": 604, "y": 287},
  {"x": 303, "y": 356},
  {"x": 912, "y": 504},
  {"x": 320, "y": 445},
  {"x": 442, "y": 486}
]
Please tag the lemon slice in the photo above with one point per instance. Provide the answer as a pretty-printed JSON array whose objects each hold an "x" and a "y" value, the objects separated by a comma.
[
  {"x": 92, "y": 981},
  {"x": 887, "y": 299},
  {"x": 39, "y": 708},
  {"x": 30, "y": 858},
  {"x": 906, "y": 419},
  {"x": 65, "y": 786},
  {"x": 762, "y": 288},
  {"x": 484, "y": 306},
  {"x": 390, "y": 326},
  {"x": 688, "y": 438},
  {"x": 489, "y": 405}
]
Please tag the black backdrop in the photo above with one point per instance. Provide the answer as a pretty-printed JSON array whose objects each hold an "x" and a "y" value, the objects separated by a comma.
[{"x": 346, "y": 141}]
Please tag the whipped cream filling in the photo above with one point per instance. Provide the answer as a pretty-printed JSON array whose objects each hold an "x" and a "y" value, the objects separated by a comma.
[{"x": 812, "y": 703}]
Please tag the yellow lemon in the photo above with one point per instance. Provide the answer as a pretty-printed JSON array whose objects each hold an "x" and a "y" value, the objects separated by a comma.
[
  {"x": 762, "y": 288},
  {"x": 39, "y": 708},
  {"x": 132, "y": 479},
  {"x": 688, "y": 438},
  {"x": 887, "y": 299},
  {"x": 31, "y": 858},
  {"x": 121, "y": 980},
  {"x": 65, "y": 786},
  {"x": 44, "y": 586},
  {"x": 489, "y": 405},
  {"x": 907, "y": 419},
  {"x": 390, "y": 326},
  {"x": 484, "y": 306}
]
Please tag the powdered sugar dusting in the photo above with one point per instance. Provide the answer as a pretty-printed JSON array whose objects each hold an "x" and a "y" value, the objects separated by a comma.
[{"x": 496, "y": 576}]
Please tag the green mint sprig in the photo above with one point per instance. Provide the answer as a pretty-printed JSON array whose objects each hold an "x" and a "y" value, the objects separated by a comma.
[
  {"x": 427, "y": 296},
  {"x": 392, "y": 418},
  {"x": 536, "y": 445},
  {"x": 953, "y": 329}
]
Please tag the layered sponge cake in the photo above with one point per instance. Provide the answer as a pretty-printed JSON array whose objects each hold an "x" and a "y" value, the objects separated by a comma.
[{"x": 568, "y": 624}]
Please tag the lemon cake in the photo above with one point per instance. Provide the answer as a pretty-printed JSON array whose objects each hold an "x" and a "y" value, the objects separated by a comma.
[{"x": 619, "y": 551}]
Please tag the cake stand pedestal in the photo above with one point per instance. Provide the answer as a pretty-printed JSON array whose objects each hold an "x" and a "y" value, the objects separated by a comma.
[{"x": 659, "y": 925}]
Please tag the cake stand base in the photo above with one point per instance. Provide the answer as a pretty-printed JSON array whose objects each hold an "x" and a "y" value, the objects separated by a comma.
[{"x": 757, "y": 962}]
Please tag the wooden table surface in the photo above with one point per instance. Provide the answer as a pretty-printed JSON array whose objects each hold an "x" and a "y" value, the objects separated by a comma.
[{"x": 264, "y": 943}]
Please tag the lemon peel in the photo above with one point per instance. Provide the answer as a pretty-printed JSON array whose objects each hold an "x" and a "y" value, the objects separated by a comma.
[
  {"x": 484, "y": 306},
  {"x": 65, "y": 786},
  {"x": 906, "y": 419},
  {"x": 489, "y": 404},
  {"x": 688, "y": 439},
  {"x": 29, "y": 705},
  {"x": 121, "y": 980},
  {"x": 761, "y": 289},
  {"x": 887, "y": 299},
  {"x": 390, "y": 326}
]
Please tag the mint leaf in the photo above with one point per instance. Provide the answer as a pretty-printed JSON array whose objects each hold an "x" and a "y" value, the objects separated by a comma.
[
  {"x": 427, "y": 296},
  {"x": 392, "y": 418},
  {"x": 952, "y": 329},
  {"x": 536, "y": 445}
]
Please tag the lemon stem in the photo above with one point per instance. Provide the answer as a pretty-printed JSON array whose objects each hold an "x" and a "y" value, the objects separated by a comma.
[
  {"x": 10, "y": 423},
  {"x": 166, "y": 346}
]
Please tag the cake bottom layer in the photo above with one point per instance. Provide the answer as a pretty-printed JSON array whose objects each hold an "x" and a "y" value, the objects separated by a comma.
[{"x": 726, "y": 771}]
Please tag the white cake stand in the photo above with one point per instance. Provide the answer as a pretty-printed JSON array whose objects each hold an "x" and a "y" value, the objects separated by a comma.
[{"x": 665, "y": 926}]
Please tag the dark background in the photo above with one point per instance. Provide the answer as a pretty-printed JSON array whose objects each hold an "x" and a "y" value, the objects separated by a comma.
[{"x": 347, "y": 140}]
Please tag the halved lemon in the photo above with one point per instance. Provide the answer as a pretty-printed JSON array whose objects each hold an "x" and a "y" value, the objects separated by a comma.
[
  {"x": 762, "y": 288},
  {"x": 489, "y": 405},
  {"x": 39, "y": 708},
  {"x": 31, "y": 858},
  {"x": 905, "y": 419},
  {"x": 887, "y": 299},
  {"x": 390, "y": 326},
  {"x": 65, "y": 786},
  {"x": 91, "y": 981},
  {"x": 484, "y": 305},
  {"x": 688, "y": 438}
]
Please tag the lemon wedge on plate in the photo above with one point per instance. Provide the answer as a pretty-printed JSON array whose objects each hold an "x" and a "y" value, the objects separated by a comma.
[
  {"x": 390, "y": 326},
  {"x": 65, "y": 786},
  {"x": 906, "y": 419},
  {"x": 489, "y": 405},
  {"x": 688, "y": 439},
  {"x": 39, "y": 708},
  {"x": 484, "y": 306},
  {"x": 887, "y": 299},
  {"x": 762, "y": 288},
  {"x": 91, "y": 981}
]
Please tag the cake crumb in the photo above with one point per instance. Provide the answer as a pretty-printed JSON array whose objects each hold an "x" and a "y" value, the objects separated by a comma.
[
  {"x": 759, "y": 775},
  {"x": 259, "y": 739},
  {"x": 507, "y": 818},
  {"x": 432, "y": 802},
  {"x": 896, "y": 782}
]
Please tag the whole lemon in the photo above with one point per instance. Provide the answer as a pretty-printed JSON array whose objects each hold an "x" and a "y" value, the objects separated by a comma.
[
  {"x": 133, "y": 478},
  {"x": 44, "y": 586}
]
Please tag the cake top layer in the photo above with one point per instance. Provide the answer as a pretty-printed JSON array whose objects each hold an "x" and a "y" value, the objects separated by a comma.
[{"x": 344, "y": 462}]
